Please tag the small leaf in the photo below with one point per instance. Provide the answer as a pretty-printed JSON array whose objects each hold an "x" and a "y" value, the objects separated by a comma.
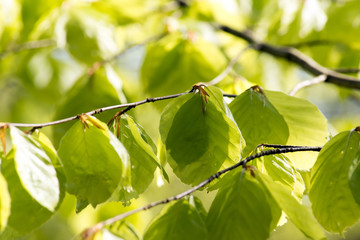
[
  {"x": 307, "y": 126},
  {"x": 94, "y": 161},
  {"x": 332, "y": 200},
  {"x": 87, "y": 94},
  {"x": 122, "y": 230},
  {"x": 142, "y": 158},
  {"x": 173, "y": 63},
  {"x": 35, "y": 169},
  {"x": 26, "y": 213},
  {"x": 300, "y": 215},
  {"x": 181, "y": 219},
  {"x": 5, "y": 202},
  {"x": 279, "y": 169},
  {"x": 258, "y": 120},
  {"x": 198, "y": 144},
  {"x": 354, "y": 177},
  {"x": 241, "y": 209}
]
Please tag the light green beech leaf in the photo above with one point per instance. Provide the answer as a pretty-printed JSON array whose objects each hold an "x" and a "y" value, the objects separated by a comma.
[
  {"x": 122, "y": 230},
  {"x": 174, "y": 63},
  {"x": 35, "y": 169},
  {"x": 199, "y": 141},
  {"x": 242, "y": 209},
  {"x": 142, "y": 158},
  {"x": 299, "y": 214},
  {"x": 307, "y": 126},
  {"x": 5, "y": 203},
  {"x": 26, "y": 213},
  {"x": 258, "y": 119},
  {"x": 280, "y": 169},
  {"x": 182, "y": 219},
  {"x": 332, "y": 199},
  {"x": 94, "y": 161}
]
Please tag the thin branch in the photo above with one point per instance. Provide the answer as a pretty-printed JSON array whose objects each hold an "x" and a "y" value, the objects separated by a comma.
[
  {"x": 228, "y": 68},
  {"x": 93, "y": 112},
  {"x": 307, "y": 83},
  {"x": 295, "y": 56},
  {"x": 97, "y": 227},
  {"x": 312, "y": 43},
  {"x": 347, "y": 70},
  {"x": 43, "y": 43}
]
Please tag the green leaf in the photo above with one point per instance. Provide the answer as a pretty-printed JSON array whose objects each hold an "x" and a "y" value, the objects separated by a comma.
[
  {"x": 183, "y": 218},
  {"x": 354, "y": 176},
  {"x": 258, "y": 119},
  {"x": 173, "y": 64},
  {"x": 26, "y": 213},
  {"x": 241, "y": 209},
  {"x": 332, "y": 200},
  {"x": 94, "y": 161},
  {"x": 33, "y": 182},
  {"x": 142, "y": 156},
  {"x": 35, "y": 169},
  {"x": 199, "y": 143},
  {"x": 87, "y": 94},
  {"x": 122, "y": 230},
  {"x": 89, "y": 35},
  {"x": 280, "y": 169},
  {"x": 300, "y": 215},
  {"x": 307, "y": 126},
  {"x": 5, "y": 203}
]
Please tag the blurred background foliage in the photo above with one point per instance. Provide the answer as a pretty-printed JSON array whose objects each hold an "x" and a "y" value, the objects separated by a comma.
[{"x": 61, "y": 58}]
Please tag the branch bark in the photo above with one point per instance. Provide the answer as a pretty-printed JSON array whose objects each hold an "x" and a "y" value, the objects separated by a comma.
[{"x": 297, "y": 57}]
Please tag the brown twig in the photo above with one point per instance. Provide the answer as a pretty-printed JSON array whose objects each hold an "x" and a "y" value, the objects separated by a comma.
[{"x": 295, "y": 56}]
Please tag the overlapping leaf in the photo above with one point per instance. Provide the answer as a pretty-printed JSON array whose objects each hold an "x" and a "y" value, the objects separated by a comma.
[
  {"x": 33, "y": 184},
  {"x": 142, "y": 157},
  {"x": 199, "y": 142},
  {"x": 94, "y": 161},
  {"x": 87, "y": 94},
  {"x": 258, "y": 119},
  {"x": 242, "y": 209},
  {"x": 332, "y": 198},
  {"x": 300, "y": 215},
  {"x": 183, "y": 219},
  {"x": 4, "y": 203},
  {"x": 173, "y": 64},
  {"x": 274, "y": 117}
]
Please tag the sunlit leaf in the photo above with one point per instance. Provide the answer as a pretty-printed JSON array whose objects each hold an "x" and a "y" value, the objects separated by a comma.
[
  {"x": 300, "y": 215},
  {"x": 120, "y": 230},
  {"x": 241, "y": 209},
  {"x": 332, "y": 200},
  {"x": 142, "y": 157},
  {"x": 279, "y": 169},
  {"x": 89, "y": 36},
  {"x": 26, "y": 213},
  {"x": 94, "y": 161},
  {"x": 258, "y": 119},
  {"x": 87, "y": 94},
  {"x": 198, "y": 143},
  {"x": 4, "y": 203},
  {"x": 354, "y": 176},
  {"x": 173, "y": 64},
  {"x": 35, "y": 169},
  {"x": 184, "y": 218},
  {"x": 307, "y": 125}
]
